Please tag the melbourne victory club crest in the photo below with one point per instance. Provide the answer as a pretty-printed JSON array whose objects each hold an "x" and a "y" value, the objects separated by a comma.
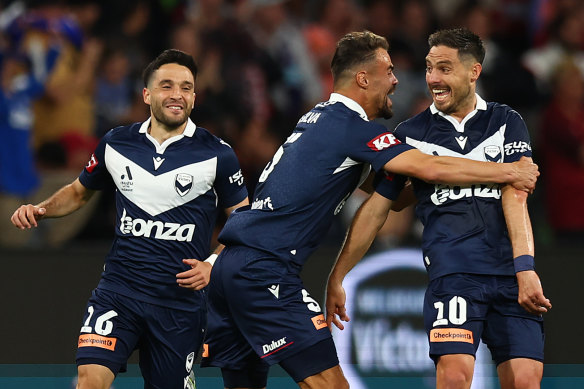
[
  {"x": 493, "y": 154},
  {"x": 183, "y": 183}
]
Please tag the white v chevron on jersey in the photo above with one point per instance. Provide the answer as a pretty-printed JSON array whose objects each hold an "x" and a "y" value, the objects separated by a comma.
[
  {"x": 156, "y": 194},
  {"x": 479, "y": 153}
]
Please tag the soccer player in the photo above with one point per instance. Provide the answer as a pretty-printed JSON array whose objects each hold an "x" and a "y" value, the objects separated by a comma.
[
  {"x": 260, "y": 313},
  {"x": 477, "y": 243},
  {"x": 172, "y": 179}
]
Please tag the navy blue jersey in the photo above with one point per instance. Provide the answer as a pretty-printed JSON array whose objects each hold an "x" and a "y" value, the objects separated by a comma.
[
  {"x": 167, "y": 201},
  {"x": 309, "y": 179},
  {"x": 464, "y": 226}
]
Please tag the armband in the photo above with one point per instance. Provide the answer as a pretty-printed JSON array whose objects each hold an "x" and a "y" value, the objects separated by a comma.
[
  {"x": 524, "y": 262},
  {"x": 212, "y": 258}
]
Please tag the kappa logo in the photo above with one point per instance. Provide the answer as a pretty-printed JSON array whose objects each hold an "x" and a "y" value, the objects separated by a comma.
[
  {"x": 383, "y": 142},
  {"x": 183, "y": 183},
  {"x": 275, "y": 290},
  {"x": 91, "y": 164},
  {"x": 493, "y": 154}
]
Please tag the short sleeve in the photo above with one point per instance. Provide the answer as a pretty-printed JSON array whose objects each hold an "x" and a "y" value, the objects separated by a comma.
[
  {"x": 374, "y": 144},
  {"x": 95, "y": 175},
  {"x": 517, "y": 142},
  {"x": 229, "y": 184},
  {"x": 389, "y": 185}
]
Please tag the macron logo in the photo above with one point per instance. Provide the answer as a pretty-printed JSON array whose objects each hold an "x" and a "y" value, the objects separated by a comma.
[
  {"x": 274, "y": 289},
  {"x": 383, "y": 142}
]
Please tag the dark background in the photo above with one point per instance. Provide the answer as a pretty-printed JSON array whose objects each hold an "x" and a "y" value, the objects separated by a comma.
[{"x": 44, "y": 293}]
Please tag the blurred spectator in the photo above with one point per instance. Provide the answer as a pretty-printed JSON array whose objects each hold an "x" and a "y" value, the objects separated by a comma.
[
  {"x": 566, "y": 40},
  {"x": 562, "y": 148},
  {"x": 21, "y": 82},
  {"x": 118, "y": 96}
]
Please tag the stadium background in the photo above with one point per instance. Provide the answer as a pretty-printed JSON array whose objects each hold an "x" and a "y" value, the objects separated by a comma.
[{"x": 262, "y": 64}]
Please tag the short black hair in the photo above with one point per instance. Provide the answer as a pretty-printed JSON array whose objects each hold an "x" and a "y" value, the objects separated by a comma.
[
  {"x": 355, "y": 48},
  {"x": 462, "y": 39},
  {"x": 169, "y": 56}
]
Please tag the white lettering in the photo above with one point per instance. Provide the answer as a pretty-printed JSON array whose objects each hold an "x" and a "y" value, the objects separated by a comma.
[
  {"x": 266, "y": 348},
  {"x": 442, "y": 193},
  {"x": 160, "y": 230}
]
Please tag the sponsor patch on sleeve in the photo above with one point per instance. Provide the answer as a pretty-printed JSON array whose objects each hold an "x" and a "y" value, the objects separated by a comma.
[
  {"x": 319, "y": 322},
  {"x": 383, "y": 141},
  {"x": 91, "y": 164},
  {"x": 451, "y": 335},
  {"x": 93, "y": 340}
]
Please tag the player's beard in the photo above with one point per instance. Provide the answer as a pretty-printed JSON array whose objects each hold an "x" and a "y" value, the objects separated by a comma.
[
  {"x": 386, "y": 111},
  {"x": 169, "y": 121}
]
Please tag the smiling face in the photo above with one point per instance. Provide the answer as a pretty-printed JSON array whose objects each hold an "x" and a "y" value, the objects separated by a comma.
[
  {"x": 171, "y": 96},
  {"x": 452, "y": 80},
  {"x": 382, "y": 83}
]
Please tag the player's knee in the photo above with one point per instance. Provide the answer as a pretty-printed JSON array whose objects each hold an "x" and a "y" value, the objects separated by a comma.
[
  {"x": 453, "y": 379},
  {"x": 90, "y": 377},
  {"x": 522, "y": 381}
]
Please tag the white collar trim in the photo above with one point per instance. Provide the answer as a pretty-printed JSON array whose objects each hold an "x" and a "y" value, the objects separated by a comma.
[{"x": 350, "y": 103}]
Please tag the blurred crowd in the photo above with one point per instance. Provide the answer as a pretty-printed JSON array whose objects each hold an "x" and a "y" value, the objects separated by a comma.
[{"x": 71, "y": 70}]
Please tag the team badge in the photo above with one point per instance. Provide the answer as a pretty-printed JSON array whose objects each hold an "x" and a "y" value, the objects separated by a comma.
[
  {"x": 183, "y": 183},
  {"x": 493, "y": 154}
]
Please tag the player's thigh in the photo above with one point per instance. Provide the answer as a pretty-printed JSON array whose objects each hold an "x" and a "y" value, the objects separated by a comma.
[
  {"x": 455, "y": 307},
  {"x": 276, "y": 314},
  {"x": 94, "y": 377},
  {"x": 225, "y": 346},
  {"x": 330, "y": 378},
  {"x": 454, "y": 371},
  {"x": 170, "y": 345},
  {"x": 520, "y": 373},
  {"x": 316, "y": 366},
  {"x": 110, "y": 331},
  {"x": 510, "y": 331}
]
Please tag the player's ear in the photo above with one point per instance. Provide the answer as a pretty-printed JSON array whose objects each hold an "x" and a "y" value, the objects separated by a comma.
[
  {"x": 362, "y": 79},
  {"x": 476, "y": 71},
  {"x": 146, "y": 95}
]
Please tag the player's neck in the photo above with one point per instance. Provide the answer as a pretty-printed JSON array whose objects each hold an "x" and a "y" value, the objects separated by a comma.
[{"x": 162, "y": 132}]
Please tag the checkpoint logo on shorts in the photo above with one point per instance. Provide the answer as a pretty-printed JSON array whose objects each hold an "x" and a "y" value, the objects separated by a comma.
[
  {"x": 93, "y": 340},
  {"x": 451, "y": 335},
  {"x": 383, "y": 141},
  {"x": 91, "y": 164},
  {"x": 319, "y": 322}
]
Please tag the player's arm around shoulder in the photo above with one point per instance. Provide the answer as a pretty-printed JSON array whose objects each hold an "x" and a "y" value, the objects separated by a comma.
[
  {"x": 531, "y": 296},
  {"x": 65, "y": 201}
]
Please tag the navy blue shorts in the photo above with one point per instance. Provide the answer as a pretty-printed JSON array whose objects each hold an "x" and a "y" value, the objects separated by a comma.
[
  {"x": 260, "y": 314},
  {"x": 168, "y": 339},
  {"x": 461, "y": 309}
]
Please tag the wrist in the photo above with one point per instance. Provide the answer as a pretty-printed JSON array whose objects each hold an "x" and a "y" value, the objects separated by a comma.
[
  {"x": 211, "y": 259},
  {"x": 523, "y": 263}
]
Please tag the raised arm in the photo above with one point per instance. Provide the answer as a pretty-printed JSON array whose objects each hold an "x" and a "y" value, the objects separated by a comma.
[
  {"x": 369, "y": 218},
  {"x": 531, "y": 295},
  {"x": 65, "y": 201},
  {"x": 451, "y": 170}
]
